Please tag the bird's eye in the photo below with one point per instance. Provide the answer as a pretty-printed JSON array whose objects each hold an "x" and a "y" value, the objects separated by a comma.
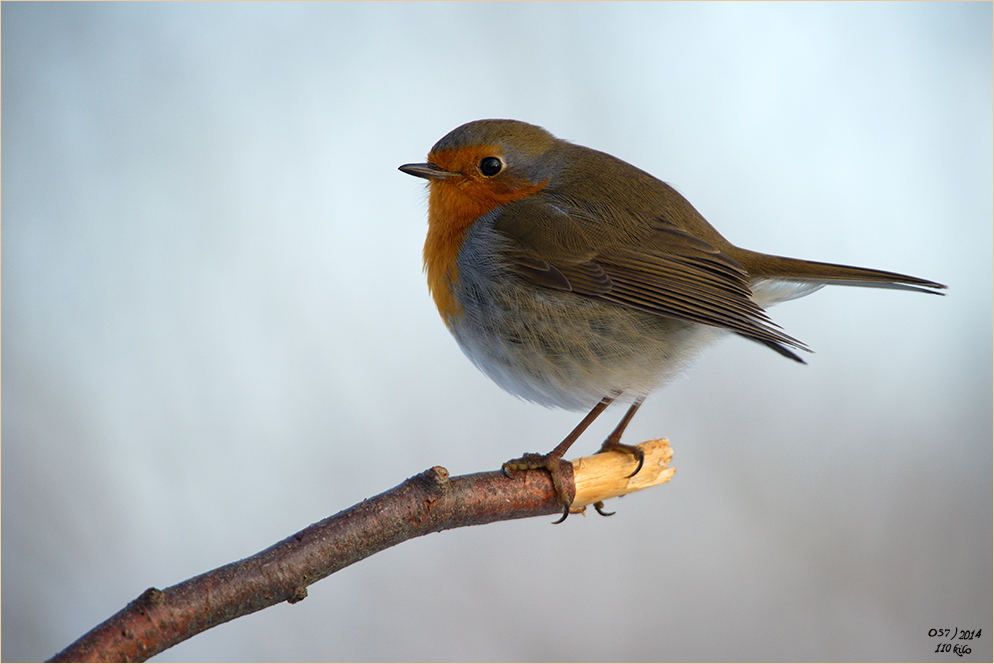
[{"x": 490, "y": 166}]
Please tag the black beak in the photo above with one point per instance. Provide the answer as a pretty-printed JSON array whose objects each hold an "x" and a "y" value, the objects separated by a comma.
[{"x": 426, "y": 171}]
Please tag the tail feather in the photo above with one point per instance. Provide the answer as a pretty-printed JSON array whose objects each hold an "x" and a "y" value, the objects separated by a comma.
[
  {"x": 778, "y": 279},
  {"x": 762, "y": 266}
]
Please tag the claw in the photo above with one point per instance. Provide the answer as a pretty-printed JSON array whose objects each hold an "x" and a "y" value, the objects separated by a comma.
[
  {"x": 636, "y": 452},
  {"x": 599, "y": 506},
  {"x": 563, "y": 517},
  {"x": 640, "y": 455}
]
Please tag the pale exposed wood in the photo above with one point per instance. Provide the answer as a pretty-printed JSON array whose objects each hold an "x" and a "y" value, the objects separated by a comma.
[{"x": 603, "y": 476}]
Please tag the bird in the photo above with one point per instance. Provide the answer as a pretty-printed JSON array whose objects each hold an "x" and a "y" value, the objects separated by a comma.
[{"x": 574, "y": 279}]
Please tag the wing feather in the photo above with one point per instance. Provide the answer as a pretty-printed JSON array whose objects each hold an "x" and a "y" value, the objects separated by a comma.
[{"x": 664, "y": 270}]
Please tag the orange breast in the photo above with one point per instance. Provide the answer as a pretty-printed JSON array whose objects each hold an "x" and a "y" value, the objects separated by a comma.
[{"x": 453, "y": 206}]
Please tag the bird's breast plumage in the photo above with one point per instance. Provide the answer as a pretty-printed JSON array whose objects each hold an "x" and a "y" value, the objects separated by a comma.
[{"x": 559, "y": 348}]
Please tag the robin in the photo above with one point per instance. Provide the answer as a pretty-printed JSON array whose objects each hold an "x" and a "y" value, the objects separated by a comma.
[{"x": 574, "y": 279}]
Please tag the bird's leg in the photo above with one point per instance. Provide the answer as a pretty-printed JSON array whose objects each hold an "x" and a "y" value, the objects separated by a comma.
[
  {"x": 613, "y": 442},
  {"x": 553, "y": 461}
]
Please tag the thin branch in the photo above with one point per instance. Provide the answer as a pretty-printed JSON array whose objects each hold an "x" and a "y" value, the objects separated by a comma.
[{"x": 426, "y": 503}]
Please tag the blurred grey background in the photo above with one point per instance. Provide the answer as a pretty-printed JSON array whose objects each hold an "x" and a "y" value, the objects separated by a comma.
[{"x": 216, "y": 330}]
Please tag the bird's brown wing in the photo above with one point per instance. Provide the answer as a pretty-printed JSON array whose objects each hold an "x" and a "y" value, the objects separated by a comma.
[{"x": 660, "y": 269}]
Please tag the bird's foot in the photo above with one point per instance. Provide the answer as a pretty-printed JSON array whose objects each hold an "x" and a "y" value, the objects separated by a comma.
[
  {"x": 551, "y": 462},
  {"x": 611, "y": 445}
]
